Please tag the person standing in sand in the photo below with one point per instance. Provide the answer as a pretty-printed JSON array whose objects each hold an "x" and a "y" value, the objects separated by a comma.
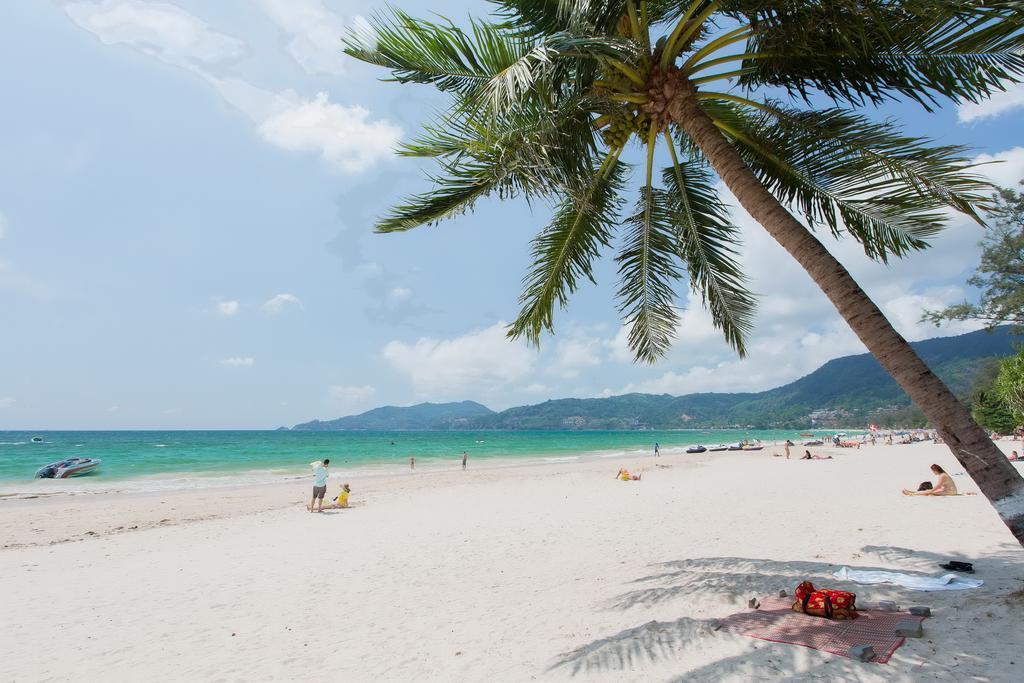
[
  {"x": 657, "y": 450},
  {"x": 412, "y": 462},
  {"x": 464, "y": 456},
  {"x": 319, "y": 485}
]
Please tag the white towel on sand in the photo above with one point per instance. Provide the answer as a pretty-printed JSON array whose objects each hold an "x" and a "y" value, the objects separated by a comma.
[{"x": 946, "y": 582}]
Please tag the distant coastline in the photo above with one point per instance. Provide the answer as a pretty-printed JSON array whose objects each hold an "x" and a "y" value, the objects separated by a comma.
[{"x": 852, "y": 390}]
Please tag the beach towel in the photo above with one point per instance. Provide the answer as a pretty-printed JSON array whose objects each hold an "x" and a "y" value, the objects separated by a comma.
[
  {"x": 775, "y": 621},
  {"x": 946, "y": 582}
]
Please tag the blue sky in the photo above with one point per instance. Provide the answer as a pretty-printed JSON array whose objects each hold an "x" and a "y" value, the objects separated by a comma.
[{"x": 187, "y": 192}]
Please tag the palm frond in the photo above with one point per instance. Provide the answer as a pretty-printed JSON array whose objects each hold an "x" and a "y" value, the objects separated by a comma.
[
  {"x": 442, "y": 54},
  {"x": 649, "y": 267},
  {"x": 873, "y": 50},
  {"x": 888, "y": 190},
  {"x": 527, "y": 151},
  {"x": 708, "y": 242},
  {"x": 452, "y": 195},
  {"x": 562, "y": 254}
]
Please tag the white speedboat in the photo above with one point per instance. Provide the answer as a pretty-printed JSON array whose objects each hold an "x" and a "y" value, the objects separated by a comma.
[
  {"x": 37, "y": 439},
  {"x": 71, "y": 467}
]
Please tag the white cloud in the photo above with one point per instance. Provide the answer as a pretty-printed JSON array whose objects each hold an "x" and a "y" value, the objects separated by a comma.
[
  {"x": 113, "y": 409},
  {"x": 398, "y": 294},
  {"x": 344, "y": 137},
  {"x": 6, "y": 401},
  {"x": 574, "y": 354},
  {"x": 341, "y": 397},
  {"x": 238, "y": 362},
  {"x": 1003, "y": 168},
  {"x": 481, "y": 361},
  {"x": 162, "y": 30},
  {"x": 279, "y": 302},
  {"x": 1000, "y": 103},
  {"x": 315, "y": 33},
  {"x": 228, "y": 309}
]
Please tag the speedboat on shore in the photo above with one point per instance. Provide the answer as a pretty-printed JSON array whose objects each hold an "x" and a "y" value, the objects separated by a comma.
[
  {"x": 751, "y": 447},
  {"x": 719, "y": 447},
  {"x": 816, "y": 442},
  {"x": 696, "y": 449},
  {"x": 71, "y": 467}
]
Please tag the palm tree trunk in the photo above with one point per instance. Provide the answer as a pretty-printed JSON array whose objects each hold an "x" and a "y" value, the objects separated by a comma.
[{"x": 998, "y": 480}]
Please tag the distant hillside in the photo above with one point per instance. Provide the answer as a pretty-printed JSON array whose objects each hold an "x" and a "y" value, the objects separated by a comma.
[
  {"x": 844, "y": 391},
  {"x": 425, "y": 416}
]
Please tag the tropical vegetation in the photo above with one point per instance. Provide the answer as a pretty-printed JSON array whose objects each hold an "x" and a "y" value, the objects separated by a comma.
[
  {"x": 545, "y": 98},
  {"x": 1000, "y": 275}
]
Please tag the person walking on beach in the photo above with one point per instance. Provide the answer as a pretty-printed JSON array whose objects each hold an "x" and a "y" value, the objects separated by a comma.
[
  {"x": 412, "y": 462},
  {"x": 464, "y": 456},
  {"x": 319, "y": 485},
  {"x": 657, "y": 450}
]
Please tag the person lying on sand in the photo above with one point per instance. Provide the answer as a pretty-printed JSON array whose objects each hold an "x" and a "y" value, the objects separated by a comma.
[
  {"x": 944, "y": 485},
  {"x": 808, "y": 456},
  {"x": 624, "y": 475},
  {"x": 1014, "y": 456}
]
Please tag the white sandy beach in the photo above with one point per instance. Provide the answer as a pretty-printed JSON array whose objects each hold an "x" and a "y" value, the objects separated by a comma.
[{"x": 553, "y": 572}]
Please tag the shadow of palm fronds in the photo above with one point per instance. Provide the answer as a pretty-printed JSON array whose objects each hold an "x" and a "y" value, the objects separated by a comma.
[{"x": 650, "y": 642}]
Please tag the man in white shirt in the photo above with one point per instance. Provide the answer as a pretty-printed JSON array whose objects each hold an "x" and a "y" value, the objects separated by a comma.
[{"x": 319, "y": 485}]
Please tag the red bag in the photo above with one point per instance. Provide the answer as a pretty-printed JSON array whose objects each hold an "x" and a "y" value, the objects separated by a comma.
[{"x": 825, "y": 603}]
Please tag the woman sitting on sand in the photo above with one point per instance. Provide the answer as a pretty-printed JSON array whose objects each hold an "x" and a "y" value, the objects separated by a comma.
[
  {"x": 944, "y": 485},
  {"x": 624, "y": 475}
]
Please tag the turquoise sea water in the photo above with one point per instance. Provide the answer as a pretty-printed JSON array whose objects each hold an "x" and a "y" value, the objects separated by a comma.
[{"x": 183, "y": 459}]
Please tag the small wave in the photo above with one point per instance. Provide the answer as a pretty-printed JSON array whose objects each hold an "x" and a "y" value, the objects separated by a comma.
[
  {"x": 159, "y": 445},
  {"x": 13, "y": 443},
  {"x": 565, "y": 459}
]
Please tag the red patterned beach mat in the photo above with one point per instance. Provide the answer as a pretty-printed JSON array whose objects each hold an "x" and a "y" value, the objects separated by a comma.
[{"x": 776, "y": 621}]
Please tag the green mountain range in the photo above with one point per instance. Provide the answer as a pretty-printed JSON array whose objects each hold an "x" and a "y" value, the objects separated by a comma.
[
  {"x": 847, "y": 391},
  {"x": 424, "y": 416}
]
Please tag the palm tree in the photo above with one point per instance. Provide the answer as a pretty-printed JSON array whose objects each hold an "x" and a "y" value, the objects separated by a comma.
[{"x": 545, "y": 98}]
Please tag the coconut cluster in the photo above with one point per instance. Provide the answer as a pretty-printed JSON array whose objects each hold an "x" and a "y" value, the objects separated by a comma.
[
  {"x": 662, "y": 88},
  {"x": 624, "y": 122}
]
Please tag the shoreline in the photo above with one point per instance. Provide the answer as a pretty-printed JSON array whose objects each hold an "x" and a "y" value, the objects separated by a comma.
[{"x": 20, "y": 489}]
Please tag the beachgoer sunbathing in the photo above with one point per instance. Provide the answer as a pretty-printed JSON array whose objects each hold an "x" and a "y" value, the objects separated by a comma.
[
  {"x": 808, "y": 456},
  {"x": 1014, "y": 456},
  {"x": 944, "y": 485},
  {"x": 624, "y": 475}
]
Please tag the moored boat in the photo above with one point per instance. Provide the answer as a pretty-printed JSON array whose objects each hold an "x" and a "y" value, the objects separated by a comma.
[
  {"x": 696, "y": 449},
  {"x": 71, "y": 467},
  {"x": 719, "y": 447}
]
